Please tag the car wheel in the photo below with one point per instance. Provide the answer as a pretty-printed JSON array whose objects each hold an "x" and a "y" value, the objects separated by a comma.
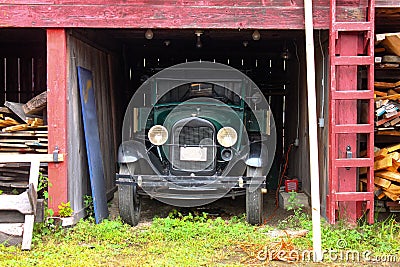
[
  {"x": 128, "y": 199},
  {"x": 254, "y": 201}
]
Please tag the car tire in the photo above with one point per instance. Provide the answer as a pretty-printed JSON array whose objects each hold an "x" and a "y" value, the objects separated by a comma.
[
  {"x": 128, "y": 199},
  {"x": 254, "y": 201}
]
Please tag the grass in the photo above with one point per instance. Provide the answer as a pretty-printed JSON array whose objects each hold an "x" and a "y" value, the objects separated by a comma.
[{"x": 184, "y": 241}]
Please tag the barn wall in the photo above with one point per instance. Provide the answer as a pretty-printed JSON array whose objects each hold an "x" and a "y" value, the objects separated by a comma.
[
  {"x": 297, "y": 117},
  {"x": 322, "y": 90},
  {"x": 216, "y": 14},
  {"x": 85, "y": 55}
]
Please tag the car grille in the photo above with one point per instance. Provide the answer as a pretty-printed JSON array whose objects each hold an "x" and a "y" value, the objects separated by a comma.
[{"x": 197, "y": 134}]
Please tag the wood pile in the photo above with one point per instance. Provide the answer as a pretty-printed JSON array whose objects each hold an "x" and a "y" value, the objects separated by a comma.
[
  {"x": 387, "y": 122},
  {"x": 386, "y": 177},
  {"x": 387, "y": 88},
  {"x": 23, "y": 129}
]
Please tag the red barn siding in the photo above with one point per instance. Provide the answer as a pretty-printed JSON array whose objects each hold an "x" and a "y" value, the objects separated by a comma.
[
  {"x": 272, "y": 14},
  {"x": 57, "y": 110}
]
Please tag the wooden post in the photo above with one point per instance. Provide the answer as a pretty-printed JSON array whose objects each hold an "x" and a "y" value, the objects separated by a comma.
[
  {"x": 57, "y": 63},
  {"x": 313, "y": 131}
]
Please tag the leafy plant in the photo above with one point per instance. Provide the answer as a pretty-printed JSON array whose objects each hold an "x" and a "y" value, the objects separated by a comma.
[
  {"x": 293, "y": 202},
  {"x": 1, "y": 192},
  {"x": 299, "y": 219},
  {"x": 65, "y": 210},
  {"x": 43, "y": 185},
  {"x": 88, "y": 203}
]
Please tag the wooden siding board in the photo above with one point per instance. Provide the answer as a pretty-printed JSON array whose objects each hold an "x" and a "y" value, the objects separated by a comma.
[
  {"x": 166, "y": 16},
  {"x": 97, "y": 61},
  {"x": 2, "y": 76},
  {"x": 78, "y": 166},
  {"x": 12, "y": 79},
  {"x": 387, "y": 3},
  {"x": 57, "y": 62},
  {"x": 26, "y": 79}
]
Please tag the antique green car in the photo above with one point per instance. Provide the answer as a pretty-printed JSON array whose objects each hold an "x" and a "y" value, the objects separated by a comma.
[{"x": 192, "y": 134}]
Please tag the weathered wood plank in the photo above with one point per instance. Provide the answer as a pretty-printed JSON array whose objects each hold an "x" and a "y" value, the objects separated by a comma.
[
  {"x": 16, "y": 202},
  {"x": 382, "y": 182},
  {"x": 381, "y": 153},
  {"x": 392, "y": 176},
  {"x": 7, "y": 158},
  {"x": 382, "y": 163},
  {"x": 168, "y": 16},
  {"x": 30, "y": 219},
  {"x": 387, "y": 3},
  {"x": 390, "y": 195},
  {"x": 393, "y": 148},
  {"x": 36, "y": 104},
  {"x": 179, "y": 3}
]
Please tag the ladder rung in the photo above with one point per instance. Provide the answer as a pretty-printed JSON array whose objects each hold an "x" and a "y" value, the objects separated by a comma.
[
  {"x": 352, "y": 60},
  {"x": 352, "y": 196},
  {"x": 353, "y": 162},
  {"x": 359, "y": 94},
  {"x": 353, "y": 128},
  {"x": 352, "y": 26}
]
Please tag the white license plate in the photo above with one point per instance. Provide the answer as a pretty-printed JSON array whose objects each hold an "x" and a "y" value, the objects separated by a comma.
[{"x": 193, "y": 154}]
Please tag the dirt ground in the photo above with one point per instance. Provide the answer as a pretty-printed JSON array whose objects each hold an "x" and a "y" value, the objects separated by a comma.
[{"x": 225, "y": 207}]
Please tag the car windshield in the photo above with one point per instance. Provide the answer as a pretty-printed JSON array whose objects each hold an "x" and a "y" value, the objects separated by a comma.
[{"x": 200, "y": 90}]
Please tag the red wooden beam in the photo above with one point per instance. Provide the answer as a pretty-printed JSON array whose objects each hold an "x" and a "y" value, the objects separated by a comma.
[
  {"x": 170, "y": 16},
  {"x": 57, "y": 62}
]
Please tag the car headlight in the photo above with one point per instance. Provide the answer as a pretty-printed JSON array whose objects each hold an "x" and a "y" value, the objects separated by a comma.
[
  {"x": 227, "y": 136},
  {"x": 158, "y": 135}
]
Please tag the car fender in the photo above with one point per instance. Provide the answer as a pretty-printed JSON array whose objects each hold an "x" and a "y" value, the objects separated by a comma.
[{"x": 257, "y": 157}]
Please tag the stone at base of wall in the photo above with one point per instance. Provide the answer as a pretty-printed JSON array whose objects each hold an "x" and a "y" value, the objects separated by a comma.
[{"x": 301, "y": 199}]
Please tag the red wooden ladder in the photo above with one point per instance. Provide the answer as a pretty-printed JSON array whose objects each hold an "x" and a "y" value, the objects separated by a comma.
[{"x": 351, "y": 46}]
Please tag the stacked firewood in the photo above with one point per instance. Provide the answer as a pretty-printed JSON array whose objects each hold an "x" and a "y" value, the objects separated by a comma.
[
  {"x": 23, "y": 129},
  {"x": 387, "y": 88},
  {"x": 22, "y": 126},
  {"x": 386, "y": 176}
]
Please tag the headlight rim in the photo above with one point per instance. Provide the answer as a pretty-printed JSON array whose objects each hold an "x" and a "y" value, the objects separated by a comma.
[
  {"x": 162, "y": 128},
  {"x": 221, "y": 142}
]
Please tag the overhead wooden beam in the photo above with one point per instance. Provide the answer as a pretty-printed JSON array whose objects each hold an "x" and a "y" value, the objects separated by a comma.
[
  {"x": 278, "y": 14},
  {"x": 57, "y": 62}
]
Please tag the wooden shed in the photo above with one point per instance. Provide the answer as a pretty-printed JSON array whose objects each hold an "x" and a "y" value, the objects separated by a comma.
[{"x": 43, "y": 41}]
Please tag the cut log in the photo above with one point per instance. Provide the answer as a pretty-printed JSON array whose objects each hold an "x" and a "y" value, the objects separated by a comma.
[
  {"x": 34, "y": 122},
  {"x": 386, "y": 85},
  {"x": 383, "y": 163},
  {"x": 382, "y": 182},
  {"x": 15, "y": 128},
  {"x": 395, "y": 121},
  {"x": 36, "y": 104},
  {"x": 390, "y": 59},
  {"x": 394, "y": 155},
  {"x": 379, "y": 93},
  {"x": 392, "y": 43},
  {"x": 383, "y": 121},
  {"x": 389, "y": 97},
  {"x": 393, "y": 148},
  {"x": 381, "y": 153},
  {"x": 390, "y": 195},
  {"x": 393, "y": 188},
  {"x": 392, "y": 176},
  {"x": 389, "y": 133},
  {"x": 381, "y": 195}
]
